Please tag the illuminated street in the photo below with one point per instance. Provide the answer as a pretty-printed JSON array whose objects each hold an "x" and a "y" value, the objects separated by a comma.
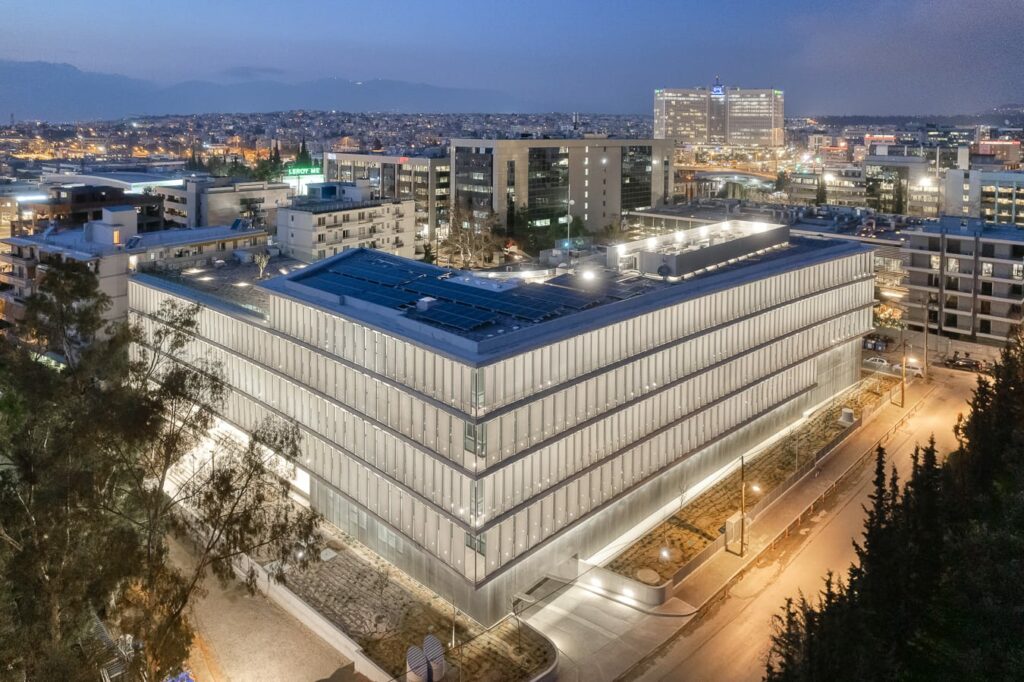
[{"x": 730, "y": 639}]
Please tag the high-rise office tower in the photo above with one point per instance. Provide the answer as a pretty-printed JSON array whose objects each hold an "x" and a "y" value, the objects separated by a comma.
[{"x": 720, "y": 116}]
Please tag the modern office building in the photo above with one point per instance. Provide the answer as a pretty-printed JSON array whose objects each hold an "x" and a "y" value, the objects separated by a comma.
[
  {"x": 845, "y": 185},
  {"x": 424, "y": 179},
  {"x": 113, "y": 248},
  {"x": 720, "y": 116},
  {"x": 920, "y": 191},
  {"x": 221, "y": 201},
  {"x": 341, "y": 216},
  {"x": 552, "y": 180},
  {"x": 992, "y": 196},
  {"x": 479, "y": 433},
  {"x": 65, "y": 206},
  {"x": 968, "y": 275}
]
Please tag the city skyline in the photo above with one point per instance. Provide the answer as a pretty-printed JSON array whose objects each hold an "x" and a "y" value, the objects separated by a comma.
[{"x": 818, "y": 53}]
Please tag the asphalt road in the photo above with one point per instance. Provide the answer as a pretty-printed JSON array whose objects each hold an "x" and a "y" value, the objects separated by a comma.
[{"x": 730, "y": 639}]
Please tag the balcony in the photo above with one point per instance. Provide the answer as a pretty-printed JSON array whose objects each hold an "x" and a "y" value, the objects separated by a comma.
[
  {"x": 12, "y": 308},
  {"x": 13, "y": 279}
]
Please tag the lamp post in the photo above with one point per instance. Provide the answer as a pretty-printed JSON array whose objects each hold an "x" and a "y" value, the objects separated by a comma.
[{"x": 743, "y": 503}]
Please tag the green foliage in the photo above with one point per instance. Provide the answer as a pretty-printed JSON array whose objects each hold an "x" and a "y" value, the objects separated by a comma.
[
  {"x": 899, "y": 203},
  {"x": 66, "y": 313},
  {"x": 303, "y": 159},
  {"x": 103, "y": 462},
  {"x": 821, "y": 193},
  {"x": 550, "y": 236},
  {"x": 935, "y": 592},
  {"x": 428, "y": 253},
  {"x": 781, "y": 182}
]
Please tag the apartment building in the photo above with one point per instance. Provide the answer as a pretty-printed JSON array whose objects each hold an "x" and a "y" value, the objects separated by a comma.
[
  {"x": 317, "y": 227},
  {"x": 969, "y": 277},
  {"x": 424, "y": 179},
  {"x": 993, "y": 196},
  {"x": 479, "y": 434},
  {"x": 221, "y": 201},
  {"x": 113, "y": 248}
]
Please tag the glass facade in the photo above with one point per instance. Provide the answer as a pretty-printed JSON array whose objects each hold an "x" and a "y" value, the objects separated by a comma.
[
  {"x": 459, "y": 472},
  {"x": 547, "y": 186},
  {"x": 636, "y": 177},
  {"x": 474, "y": 182}
]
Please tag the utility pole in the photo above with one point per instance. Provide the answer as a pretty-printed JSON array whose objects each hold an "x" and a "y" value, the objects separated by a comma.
[
  {"x": 743, "y": 505},
  {"x": 903, "y": 379},
  {"x": 925, "y": 361}
]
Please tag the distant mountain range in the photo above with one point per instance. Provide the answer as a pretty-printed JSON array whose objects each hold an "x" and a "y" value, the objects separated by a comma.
[{"x": 61, "y": 92}]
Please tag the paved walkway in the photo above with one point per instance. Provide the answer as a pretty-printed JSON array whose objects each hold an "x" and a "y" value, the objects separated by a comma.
[
  {"x": 243, "y": 638},
  {"x": 601, "y": 639}
]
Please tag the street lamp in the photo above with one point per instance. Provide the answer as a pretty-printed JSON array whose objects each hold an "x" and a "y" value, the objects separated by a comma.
[{"x": 754, "y": 488}]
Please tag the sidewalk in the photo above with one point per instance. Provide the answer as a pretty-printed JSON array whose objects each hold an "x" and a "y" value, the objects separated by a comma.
[{"x": 707, "y": 580}]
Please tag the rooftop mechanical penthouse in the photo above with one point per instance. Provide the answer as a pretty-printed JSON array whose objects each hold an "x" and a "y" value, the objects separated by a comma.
[{"x": 481, "y": 432}]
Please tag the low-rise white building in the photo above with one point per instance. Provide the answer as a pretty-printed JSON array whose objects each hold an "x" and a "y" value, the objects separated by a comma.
[
  {"x": 220, "y": 201},
  {"x": 113, "y": 248},
  {"x": 316, "y": 228},
  {"x": 481, "y": 433},
  {"x": 992, "y": 196}
]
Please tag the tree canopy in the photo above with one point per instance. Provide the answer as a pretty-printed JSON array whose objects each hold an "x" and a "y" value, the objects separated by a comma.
[
  {"x": 936, "y": 590},
  {"x": 101, "y": 462}
]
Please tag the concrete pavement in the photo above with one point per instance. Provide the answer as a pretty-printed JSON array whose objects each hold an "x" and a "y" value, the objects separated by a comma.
[{"x": 247, "y": 638}]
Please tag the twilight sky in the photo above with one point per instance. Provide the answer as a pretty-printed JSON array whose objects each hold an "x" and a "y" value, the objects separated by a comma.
[{"x": 830, "y": 56}]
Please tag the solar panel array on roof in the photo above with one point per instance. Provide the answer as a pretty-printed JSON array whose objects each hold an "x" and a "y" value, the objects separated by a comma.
[
  {"x": 481, "y": 298},
  {"x": 398, "y": 284},
  {"x": 455, "y": 315}
]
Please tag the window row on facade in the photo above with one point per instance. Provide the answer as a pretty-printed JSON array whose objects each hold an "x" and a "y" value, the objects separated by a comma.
[
  {"x": 439, "y": 432},
  {"x": 476, "y": 555},
  {"x": 449, "y": 381},
  {"x": 407, "y": 414}
]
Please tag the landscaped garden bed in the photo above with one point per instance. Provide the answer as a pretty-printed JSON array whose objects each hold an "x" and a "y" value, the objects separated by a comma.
[
  {"x": 674, "y": 542},
  {"x": 386, "y": 612}
]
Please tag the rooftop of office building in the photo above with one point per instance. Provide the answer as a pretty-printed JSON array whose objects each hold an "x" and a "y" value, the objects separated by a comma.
[{"x": 478, "y": 319}]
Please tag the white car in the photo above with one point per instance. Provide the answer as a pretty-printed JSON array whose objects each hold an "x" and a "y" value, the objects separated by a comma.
[
  {"x": 912, "y": 370},
  {"x": 877, "y": 363}
]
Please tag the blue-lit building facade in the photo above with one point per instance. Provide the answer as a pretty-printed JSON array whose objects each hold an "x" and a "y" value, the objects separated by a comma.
[{"x": 479, "y": 434}]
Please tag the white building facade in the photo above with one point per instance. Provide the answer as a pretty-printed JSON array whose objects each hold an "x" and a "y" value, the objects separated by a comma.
[
  {"x": 478, "y": 461},
  {"x": 314, "y": 230}
]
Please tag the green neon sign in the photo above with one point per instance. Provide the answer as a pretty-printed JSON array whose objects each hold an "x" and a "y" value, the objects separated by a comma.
[{"x": 303, "y": 170}]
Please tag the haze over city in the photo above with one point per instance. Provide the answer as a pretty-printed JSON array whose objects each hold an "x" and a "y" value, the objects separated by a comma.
[{"x": 644, "y": 341}]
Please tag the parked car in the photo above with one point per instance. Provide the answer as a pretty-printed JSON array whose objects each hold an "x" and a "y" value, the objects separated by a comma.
[
  {"x": 877, "y": 363},
  {"x": 913, "y": 369},
  {"x": 964, "y": 363}
]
